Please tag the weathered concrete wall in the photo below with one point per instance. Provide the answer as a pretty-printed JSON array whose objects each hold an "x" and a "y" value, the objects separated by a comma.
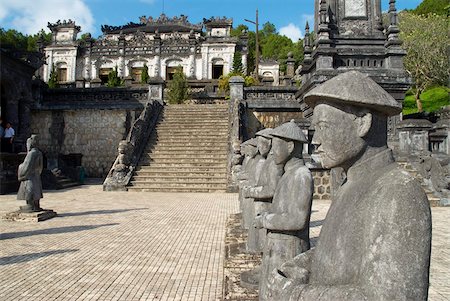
[{"x": 93, "y": 133}]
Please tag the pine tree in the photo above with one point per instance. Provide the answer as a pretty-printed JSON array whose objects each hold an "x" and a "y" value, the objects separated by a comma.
[
  {"x": 178, "y": 88},
  {"x": 144, "y": 75}
]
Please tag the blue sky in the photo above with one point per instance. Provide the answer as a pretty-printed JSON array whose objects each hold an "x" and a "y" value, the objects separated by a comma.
[{"x": 289, "y": 16}]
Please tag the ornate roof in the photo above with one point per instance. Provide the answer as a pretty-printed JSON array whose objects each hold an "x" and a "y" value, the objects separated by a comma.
[
  {"x": 150, "y": 24},
  {"x": 218, "y": 21},
  {"x": 64, "y": 24}
]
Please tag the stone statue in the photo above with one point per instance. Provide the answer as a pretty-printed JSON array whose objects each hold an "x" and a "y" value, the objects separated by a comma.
[
  {"x": 287, "y": 221},
  {"x": 376, "y": 239},
  {"x": 29, "y": 175},
  {"x": 262, "y": 195},
  {"x": 263, "y": 191},
  {"x": 433, "y": 172},
  {"x": 249, "y": 150},
  {"x": 254, "y": 169}
]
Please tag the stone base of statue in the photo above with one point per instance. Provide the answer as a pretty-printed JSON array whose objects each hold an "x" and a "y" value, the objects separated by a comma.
[
  {"x": 250, "y": 279},
  {"x": 21, "y": 216}
]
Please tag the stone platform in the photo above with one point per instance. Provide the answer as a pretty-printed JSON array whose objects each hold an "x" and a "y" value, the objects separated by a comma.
[
  {"x": 19, "y": 216},
  {"x": 106, "y": 246}
]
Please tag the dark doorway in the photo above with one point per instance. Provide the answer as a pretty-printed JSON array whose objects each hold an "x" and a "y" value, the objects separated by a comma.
[
  {"x": 103, "y": 75},
  {"x": 170, "y": 71},
  {"x": 217, "y": 71}
]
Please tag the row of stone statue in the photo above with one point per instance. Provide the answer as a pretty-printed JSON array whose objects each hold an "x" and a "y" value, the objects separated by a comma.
[{"x": 376, "y": 239}]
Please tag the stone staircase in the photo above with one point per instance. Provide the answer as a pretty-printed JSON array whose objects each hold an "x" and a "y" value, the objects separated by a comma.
[
  {"x": 434, "y": 200},
  {"x": 187, "y": 152}
]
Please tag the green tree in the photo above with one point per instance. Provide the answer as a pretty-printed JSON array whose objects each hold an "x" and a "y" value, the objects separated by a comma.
[
  {"x": 178, "y": 88},
  {"x": 237, "y": 62},
  {"x": 439, "y": 7},
  {"x": 426, "y": 40},
  {"x": 224, "y": 82},
  {"x": 11, "y": 38},
  {"x": 53, "y": 79},
  {"x": 114, "y": 79},
  {"x": 144, "y": 75}
]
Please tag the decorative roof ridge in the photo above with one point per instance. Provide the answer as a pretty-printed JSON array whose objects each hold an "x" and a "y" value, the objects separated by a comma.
[{"x": 63, "y": 24}]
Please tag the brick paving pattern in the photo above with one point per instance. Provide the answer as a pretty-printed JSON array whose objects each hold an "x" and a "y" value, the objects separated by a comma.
[
  {"x": 116, "y": 246},
  {"x": 141, "y": 246}
]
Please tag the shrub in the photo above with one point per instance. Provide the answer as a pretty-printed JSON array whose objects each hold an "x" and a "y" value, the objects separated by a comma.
[
  {"x": 144, "y": 75},
  {"x": 53, "y": 79},
  {"x": 178, "y": 88},
  {"x": 114, "y": 79}
]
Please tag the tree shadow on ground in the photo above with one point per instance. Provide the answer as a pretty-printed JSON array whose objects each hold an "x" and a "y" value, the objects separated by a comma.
[
  {"x": 33, "y": 256},
  {"x": 316, "y": 223},
  {"x": 95, "y": 212},
  {"x": 52, "y": 231}
]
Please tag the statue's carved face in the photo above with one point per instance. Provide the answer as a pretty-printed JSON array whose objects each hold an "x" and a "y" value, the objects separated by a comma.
[
  {"x": 281, "y": 149},
  {"x": 264, "y": 145},
  {"x": 338, "y": 135}
]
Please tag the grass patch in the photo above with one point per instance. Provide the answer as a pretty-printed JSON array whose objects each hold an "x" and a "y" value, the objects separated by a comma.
[{"x": 432, "y": 100}]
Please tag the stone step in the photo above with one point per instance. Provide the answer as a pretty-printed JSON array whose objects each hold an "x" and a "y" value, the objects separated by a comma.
[
  {"x": 190, "y": 128},
  {"x": 178, "y": 164},
  {"x": 174, "y": 161},
  {"x": 179, "y": 179},
  {"x": 196, "y": 118},
  {"x": 143, "y": 170},
  {"x": 186, "y": 151},
  {"x": 181, "y": 156},
  {"x": 191, "y": 185},
  {"x": 179, "y": 189},
  {"x": 194, "y": 141},
  {"x": 180, "y": 175}
]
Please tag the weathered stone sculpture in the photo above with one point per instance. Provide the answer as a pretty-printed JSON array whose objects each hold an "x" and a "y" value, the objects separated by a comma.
[
  {"x": 253, "y": 170},
  {"x": 262, "y": 194},
  {"x": 29, "y": 175},
  {"x": 376, "y": 239},
  {"x": 242, "y": 175},
  {"x": 30, "y": 190},
  {"x": 287, "y": 221},
  {"x": 264, "y": 142}
]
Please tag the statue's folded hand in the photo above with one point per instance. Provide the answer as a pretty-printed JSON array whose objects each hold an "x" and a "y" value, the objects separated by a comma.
[{"x": 294, "y": 272}]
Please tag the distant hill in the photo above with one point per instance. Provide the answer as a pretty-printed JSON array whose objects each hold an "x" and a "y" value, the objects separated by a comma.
[{"x": 439, "y": 7}]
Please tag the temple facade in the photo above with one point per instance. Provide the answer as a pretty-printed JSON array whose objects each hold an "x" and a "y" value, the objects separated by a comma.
[{"x": 204, "y": 51}]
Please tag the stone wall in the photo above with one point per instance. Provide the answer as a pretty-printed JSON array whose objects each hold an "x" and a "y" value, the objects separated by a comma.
[
  {"x": 93, "y": 133},
  {"x": 322, "y": 185}
]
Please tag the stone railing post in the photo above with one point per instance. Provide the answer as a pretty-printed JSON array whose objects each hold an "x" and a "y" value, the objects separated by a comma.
[
  {"x": 156, "y": 90},
  {"x": 413, "y": 137},
  {"x": 234, "y": 139}
]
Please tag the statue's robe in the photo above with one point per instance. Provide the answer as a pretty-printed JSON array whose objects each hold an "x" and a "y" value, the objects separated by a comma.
[
  {"x": 375, "y": 242},
  {"x": 254, "y": 171},
  {"x": 287, "y": 223},
  {"x": 263, "y": 194},
  {"x": 29, "y": 175}
]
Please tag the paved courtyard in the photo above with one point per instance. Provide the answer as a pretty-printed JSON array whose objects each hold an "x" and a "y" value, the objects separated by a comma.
[{"x": 140, "y": 246}]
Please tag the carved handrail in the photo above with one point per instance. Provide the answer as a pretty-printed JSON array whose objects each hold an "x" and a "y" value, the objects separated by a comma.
[{"x": 131, "y": 149}]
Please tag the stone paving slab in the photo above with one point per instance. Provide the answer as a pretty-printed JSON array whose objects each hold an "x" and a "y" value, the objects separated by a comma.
[
  {"x": 116, "y": 246},
  {"x": 141, "y": 246}
]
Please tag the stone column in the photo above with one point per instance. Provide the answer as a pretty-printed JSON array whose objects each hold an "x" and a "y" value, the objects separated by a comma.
[
  {"x": 236, "y": 96},
  {"x": 156, "y": 90}
]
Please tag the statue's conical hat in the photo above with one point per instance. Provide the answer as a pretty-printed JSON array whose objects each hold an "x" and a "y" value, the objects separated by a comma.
[
  {"x": 266, "y": 133},
  {"x": 251, "y": 142},
  {"x": 355, "y": 89},
  {"x": 290, "y": 131}
]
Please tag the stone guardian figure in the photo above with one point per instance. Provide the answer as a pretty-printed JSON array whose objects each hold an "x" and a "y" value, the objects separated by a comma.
[
  {"x": 29, "y": 175},
  {"x": 287, "y": 221},
  {"x": 375, "y": 242}
]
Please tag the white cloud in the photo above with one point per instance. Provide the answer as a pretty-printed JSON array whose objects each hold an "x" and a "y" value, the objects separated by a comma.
[
  {"x": 291, "y": 31},
  {"x": 30, "y": 18}
]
